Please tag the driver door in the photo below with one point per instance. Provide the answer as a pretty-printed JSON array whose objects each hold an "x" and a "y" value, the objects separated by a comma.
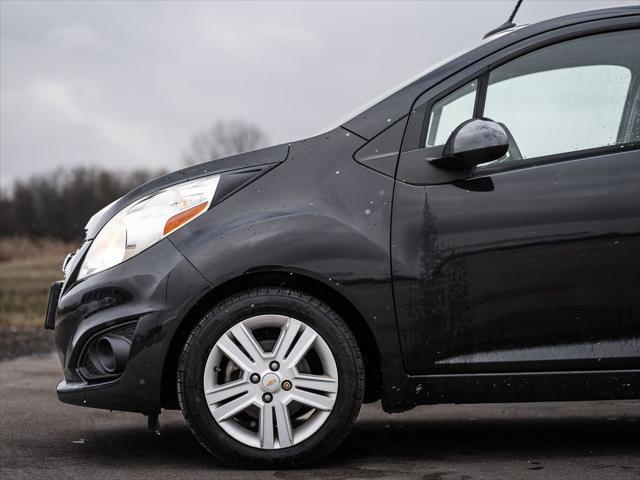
[{"x": 532, "y": 263}]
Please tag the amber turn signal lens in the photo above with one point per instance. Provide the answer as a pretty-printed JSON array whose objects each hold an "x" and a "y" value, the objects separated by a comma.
[{"x": 181, "y": 218}]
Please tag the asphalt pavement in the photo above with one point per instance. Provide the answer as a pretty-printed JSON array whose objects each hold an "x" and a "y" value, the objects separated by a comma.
[{"x": 45, "y": 439}]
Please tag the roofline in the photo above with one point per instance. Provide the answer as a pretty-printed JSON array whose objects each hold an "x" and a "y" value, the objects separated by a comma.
[{"x": 388, "y": 110}]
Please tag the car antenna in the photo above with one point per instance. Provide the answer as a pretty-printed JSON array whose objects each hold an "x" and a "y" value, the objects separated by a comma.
[{"x": 506, "y": 25}]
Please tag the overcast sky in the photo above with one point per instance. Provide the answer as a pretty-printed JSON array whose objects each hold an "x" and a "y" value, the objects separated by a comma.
[{"x": 126, "y": 84}]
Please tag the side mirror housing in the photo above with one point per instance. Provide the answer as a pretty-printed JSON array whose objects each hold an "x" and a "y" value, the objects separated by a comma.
[{"x": 473, "y": 142}]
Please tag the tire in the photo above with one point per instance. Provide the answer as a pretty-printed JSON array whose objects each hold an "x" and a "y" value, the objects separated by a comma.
[{"x": 232, "y": 441}]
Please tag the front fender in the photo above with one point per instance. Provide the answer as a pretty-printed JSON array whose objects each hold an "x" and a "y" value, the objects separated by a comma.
[{"x": 320, "y": 214}]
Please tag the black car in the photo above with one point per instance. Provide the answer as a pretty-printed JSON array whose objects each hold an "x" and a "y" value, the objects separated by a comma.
[{"x": 472, "y": 237}]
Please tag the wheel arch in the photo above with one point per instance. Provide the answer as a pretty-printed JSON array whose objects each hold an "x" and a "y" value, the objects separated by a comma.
[{"x": 296, "y": 281}]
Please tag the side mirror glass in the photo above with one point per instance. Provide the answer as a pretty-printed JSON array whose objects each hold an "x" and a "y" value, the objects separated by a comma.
[{"x": 473, "y": 142}]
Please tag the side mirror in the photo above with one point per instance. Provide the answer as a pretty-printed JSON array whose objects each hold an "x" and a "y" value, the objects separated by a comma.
[{"x": 475, "y": 141}]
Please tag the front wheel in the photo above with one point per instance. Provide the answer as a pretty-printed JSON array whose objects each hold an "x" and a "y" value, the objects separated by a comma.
[{"x": 270, "y": 378}]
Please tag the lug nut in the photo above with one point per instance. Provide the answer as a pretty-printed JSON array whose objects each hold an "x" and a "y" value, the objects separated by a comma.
[
  {"x": 286, "y": 385},
  {"x": 255, "y": 378},
  {"x": 267, "y": 397},
  {"x": 274, "y": 366}
]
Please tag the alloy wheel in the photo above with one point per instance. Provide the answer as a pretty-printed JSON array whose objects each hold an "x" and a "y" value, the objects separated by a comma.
[{"x": 270, "y": 381}]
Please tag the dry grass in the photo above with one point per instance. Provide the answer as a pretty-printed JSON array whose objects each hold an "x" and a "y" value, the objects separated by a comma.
[
  {"x": 27, "y": 268},
  {"x": 16, "y": 248}
]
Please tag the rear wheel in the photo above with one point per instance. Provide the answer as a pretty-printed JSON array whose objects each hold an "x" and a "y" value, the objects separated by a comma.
[{"x": 269, "y": 378}]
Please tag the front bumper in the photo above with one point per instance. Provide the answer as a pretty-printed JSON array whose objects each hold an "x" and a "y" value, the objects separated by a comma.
[{"x": 156, "y": 289}]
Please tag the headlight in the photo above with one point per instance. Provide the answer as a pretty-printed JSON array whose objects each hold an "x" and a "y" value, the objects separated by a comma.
[{"x": 146, "y": 221}]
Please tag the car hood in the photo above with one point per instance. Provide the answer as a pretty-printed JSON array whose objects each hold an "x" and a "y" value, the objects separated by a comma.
[{"x": 265, "y": 156}]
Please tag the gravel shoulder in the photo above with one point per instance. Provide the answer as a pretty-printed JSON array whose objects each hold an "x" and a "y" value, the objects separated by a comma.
[
  {"x": 43, "y": 438},
  {"x": 22, "y": 341}
]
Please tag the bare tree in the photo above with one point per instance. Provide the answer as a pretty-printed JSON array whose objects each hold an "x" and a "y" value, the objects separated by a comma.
[
  {"x": 224, "y": 138},
  {"x": 57, "y": 204}
]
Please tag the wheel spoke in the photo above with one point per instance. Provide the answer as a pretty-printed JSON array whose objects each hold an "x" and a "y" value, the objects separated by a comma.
[
  {"x": 287, "y": 335},
  {"x": 226, "y": 391},
  {"x": 267, "y": 434},
  {"x": 320, "y": 383},
  {"x": 248, "y": 342},
  {"x": 285, "y": 432},
  {"x": 232, "y": 408},
  {"x": 232, "y": 351},
  {"x": 312, "y": 399},
  {"x": 301, "y": 347}
]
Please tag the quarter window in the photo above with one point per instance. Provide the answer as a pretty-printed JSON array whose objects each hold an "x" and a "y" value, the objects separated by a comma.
[{"x": 449, "y": 112}]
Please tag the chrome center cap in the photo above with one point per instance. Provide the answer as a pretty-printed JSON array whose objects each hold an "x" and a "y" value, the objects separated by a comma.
[{"x": 271, "y": 382}]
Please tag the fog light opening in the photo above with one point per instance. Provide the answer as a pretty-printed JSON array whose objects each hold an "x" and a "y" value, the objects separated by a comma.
[{"x": 112, "y": 353}]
